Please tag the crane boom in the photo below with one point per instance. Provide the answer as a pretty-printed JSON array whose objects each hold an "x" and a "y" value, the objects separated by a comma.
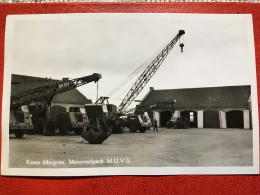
[
  {"x": 148, "y": 73},
  {"x": 146, "y": 108},
  {"x": 47, "y": 92}
]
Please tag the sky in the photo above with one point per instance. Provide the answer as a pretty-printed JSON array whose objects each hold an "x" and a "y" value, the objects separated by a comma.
[{"x": 217, "y": 52}]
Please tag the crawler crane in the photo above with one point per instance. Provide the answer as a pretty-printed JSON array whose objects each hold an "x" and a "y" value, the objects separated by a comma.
[{"x": 113, "y": 119}]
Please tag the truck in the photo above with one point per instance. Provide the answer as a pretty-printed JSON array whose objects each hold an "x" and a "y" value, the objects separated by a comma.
[
  {"x": 38, "y": 101},
  {"x": 141, "y": 122},
  {"x": 74, "y": 120},
  {"x": 20, "y": 121},
  {"x": 178, "y": 123}
]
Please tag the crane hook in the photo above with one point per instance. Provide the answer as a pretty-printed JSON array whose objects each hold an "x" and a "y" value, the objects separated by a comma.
[{"x": 181, "y": 45}]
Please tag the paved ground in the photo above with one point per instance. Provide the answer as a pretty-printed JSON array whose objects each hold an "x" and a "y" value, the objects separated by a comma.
[{"x": 168, "y": 147}]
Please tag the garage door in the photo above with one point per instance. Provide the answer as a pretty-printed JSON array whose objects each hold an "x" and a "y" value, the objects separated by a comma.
[
  {"x": 211, "y": 119},
  {"x": 191, "y": 116},
  {"x": 165, "y": 116},
  {"x": 235, "y": 119}
]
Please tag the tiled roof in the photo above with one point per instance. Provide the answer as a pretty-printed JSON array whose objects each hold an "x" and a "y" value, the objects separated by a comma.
[
  {"x": 199, "y": 98},
  {"x": 21, "y": 83}
]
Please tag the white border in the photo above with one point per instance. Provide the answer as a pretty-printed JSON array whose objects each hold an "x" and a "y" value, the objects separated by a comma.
[{"x": 5, "y": 170}]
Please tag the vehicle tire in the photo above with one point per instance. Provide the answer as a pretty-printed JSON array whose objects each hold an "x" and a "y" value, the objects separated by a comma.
[
  {"x": 19, "y": 133},
  {"x": 142, "y": 129},
  {"x": 117, "y": 130},
  {"x": 132, "y": 129},
  {"x": 168, "y": 126},
  {"x": 78, "y": 131},
  {"x": 175, "y": 126},
  {"x": 63, "y": 129}
]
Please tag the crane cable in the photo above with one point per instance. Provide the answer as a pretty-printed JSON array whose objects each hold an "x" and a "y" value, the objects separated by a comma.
[
  {"x": 125, "y": 81},
  {"x": 135, "y": 72},
  {"x": 97, "y": 90}
]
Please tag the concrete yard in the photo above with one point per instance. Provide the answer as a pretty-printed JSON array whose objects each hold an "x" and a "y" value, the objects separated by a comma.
[{"x": 168, "y": 147}]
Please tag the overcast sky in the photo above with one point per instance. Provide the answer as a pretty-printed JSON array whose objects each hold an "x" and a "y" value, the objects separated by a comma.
[{"x": 217, "y": 49}]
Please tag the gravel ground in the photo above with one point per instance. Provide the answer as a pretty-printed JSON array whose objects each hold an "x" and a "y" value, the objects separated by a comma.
[{"x": 168, "y": 147}]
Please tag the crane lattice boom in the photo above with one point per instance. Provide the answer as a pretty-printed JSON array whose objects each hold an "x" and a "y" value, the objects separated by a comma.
[
  {"x": 148, "y": 73},
  {"x": 47, "y": 92}
]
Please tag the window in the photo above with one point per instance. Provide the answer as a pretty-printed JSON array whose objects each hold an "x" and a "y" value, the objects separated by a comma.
[{"x": 191, "y": 116}]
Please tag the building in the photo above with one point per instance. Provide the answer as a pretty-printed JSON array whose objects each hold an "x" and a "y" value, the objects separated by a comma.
[{"x": 211, "y": 107}]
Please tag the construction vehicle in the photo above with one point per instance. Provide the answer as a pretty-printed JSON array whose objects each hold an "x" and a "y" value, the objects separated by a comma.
[
  {"x": 20, "y": 121},
  {"x": 139, "y": 122},
  {"x": 39, "y": 100},
  {"x": 74, "y": 120},
  {"x": 178, "y": 123},
  {"x": 138, "y": 118},
  {"x": 98, "y": 129},
  {"x": 140, "y": 83}
]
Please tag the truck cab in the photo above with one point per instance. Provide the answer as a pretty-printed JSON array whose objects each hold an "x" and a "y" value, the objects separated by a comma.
[
  {"x": 138, "y": 122},
  {"x": 75, "y": 120},
  {"x": 20, "y": 121}
]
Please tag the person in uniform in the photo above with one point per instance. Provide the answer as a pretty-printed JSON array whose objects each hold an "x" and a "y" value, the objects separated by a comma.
[{"x": 155, "y": 127}]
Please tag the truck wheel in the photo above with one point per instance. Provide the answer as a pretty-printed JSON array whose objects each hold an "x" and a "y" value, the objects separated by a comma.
[
  {"x": 63, "y": 130},
  {"x": 133, "y": 129},
  {"x": 117, "y": 130},
  {"x": 19, "y": 133},
  {"x": 168, "y": 126},
  {"x": 142, "y": 129},
  {"x": 78, "y": 131}
]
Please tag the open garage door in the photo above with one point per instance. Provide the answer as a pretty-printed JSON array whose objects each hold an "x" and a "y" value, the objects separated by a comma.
[
  {"x": 165, "y": 116},
  {"x": 191, "y": 116},
  {"x": 211, "y": 119},
  {"x": 235, "y": 119}
]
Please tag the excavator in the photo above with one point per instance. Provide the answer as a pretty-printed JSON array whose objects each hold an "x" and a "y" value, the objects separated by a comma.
[
  {"x": 110, "y": 120},
  {"x": 31, "y": 109}
]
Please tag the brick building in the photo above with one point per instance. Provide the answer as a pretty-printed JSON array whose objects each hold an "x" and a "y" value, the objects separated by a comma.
[{"x": 211, "y": 107}]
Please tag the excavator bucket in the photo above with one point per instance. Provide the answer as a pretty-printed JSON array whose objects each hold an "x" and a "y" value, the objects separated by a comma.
[
  {"x": 98, "y": 130},
  {"x": 94, "y": 134}
]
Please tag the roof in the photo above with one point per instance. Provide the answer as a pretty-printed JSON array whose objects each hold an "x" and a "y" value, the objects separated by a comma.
[
  {"x": 199, "y": 98},
  {"x": 21, "y": 83}
]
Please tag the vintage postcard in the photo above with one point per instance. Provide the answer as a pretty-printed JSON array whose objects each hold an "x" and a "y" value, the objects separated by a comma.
[{"x": 129, "y": 94}]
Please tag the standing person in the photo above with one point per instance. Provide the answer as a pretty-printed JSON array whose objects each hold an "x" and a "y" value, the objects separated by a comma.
[{"x": 155, "y": 127}]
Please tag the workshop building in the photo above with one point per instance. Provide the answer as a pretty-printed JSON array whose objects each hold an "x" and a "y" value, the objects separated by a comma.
[{"x": 211, "y": 107}]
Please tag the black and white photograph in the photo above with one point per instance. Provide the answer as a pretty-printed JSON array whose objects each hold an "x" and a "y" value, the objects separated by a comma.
[{"x": 129, "y": 94}]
